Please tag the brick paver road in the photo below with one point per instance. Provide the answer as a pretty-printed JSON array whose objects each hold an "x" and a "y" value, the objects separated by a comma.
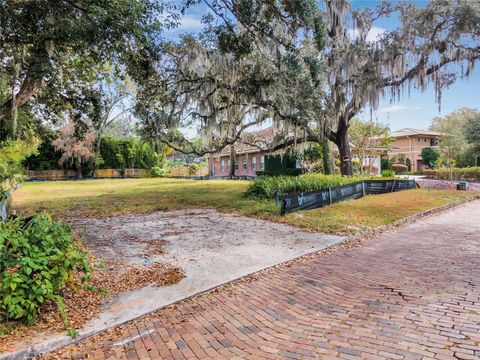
[{"x": 409, "y": 294}]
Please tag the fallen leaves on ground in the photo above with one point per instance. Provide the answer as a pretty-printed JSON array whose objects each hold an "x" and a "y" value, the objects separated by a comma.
[{"x": 83, "y": 303}]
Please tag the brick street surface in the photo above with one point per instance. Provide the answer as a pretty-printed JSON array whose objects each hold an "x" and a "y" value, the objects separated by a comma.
[{"x": 413, "y": 293}]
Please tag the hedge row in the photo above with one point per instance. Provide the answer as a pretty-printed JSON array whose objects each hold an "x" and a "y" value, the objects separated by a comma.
[
  {"x": 472, "y": 173},
  {"x": 266, "y": 187}
]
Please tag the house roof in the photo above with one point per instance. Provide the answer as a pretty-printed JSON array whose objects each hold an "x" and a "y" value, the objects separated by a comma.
[
  {"x": 413, "y": 132},
  {"x": 251, "y": 142}
]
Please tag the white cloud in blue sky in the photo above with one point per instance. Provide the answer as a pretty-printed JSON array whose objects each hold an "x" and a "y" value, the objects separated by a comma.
[
  {"x": 397, "y": 108},
  {"x": 373, "y": 35},
  {"x": 190, "y": 24}
]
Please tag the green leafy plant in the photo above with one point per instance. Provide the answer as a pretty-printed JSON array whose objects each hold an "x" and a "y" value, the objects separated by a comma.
[
  {"x": 266, "y": 187},
  {"x": 430, "y": 157},
  {"x": 193, "y": 169},
  {"x": 37, "y": 259},
  {"x": 12, "y": 153},
  {"x": 470, "y": 173},
  {"x": 72, "y": 333},
  {"x": 388, "y": 173},
  {"x": 158, "y": 171}
]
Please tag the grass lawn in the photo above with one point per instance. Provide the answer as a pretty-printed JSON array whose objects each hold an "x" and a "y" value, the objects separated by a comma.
[{"x": 68, "y": 199}]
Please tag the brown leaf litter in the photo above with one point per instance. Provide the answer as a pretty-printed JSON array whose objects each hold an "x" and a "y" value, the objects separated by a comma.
[{"x": 84, "y": 302}]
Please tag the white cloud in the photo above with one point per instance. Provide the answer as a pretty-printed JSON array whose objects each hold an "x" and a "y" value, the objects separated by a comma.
[
  {"x": 375, "y": 33},
  {"x": 189, "y": 23},
  {"x": 398, "y": 108},
  {"x": 372, "y": 36}
]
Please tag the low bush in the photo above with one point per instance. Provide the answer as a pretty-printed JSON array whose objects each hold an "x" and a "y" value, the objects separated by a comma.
[
  {"x": 388, "y": 173},
  {"x": 193, "y": 169},
  {"x": 399, "y": 168},
  {"x": 158, "y": 171},
  {"x": 266, "y": 187},
  {"x": 37, "y": 259},
  {"x": 428, "y": 172},
  {"x": 471, "y": 173}
]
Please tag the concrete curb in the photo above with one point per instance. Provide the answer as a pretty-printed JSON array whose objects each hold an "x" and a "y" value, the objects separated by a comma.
[{"x": 55, "y": 344}]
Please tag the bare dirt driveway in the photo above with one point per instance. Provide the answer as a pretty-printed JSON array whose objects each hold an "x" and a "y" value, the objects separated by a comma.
[
  {"x": 210, "y": 248},
  {"x": 413, "y": 293}
]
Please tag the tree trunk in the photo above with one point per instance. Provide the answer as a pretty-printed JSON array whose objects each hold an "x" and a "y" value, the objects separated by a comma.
[
  {"x": 344, "y": 150},
  {"x": 29, "y": 89},
  {"x": 79, "y": 171},
  {"x": 327, "y": 169},
  {"x": 361, "y": 158},
  {"x": 232, "y": 160},
  {"x": 210, "y": 165},
  {"x": 97, "y": 153}
]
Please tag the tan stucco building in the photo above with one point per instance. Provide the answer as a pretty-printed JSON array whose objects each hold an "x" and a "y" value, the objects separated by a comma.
[{"x": 410, "y": 143}]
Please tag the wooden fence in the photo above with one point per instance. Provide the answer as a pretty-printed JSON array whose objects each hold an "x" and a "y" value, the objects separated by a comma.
[
  {"x": 118, "y": 173},
  {"x": 183, "y": 171},
  {"x": 56, "y": 175},
  {"x": 51, "y": 174}
]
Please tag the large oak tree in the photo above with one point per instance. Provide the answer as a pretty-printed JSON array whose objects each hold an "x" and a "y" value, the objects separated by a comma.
[{"x": 433, "y": 46}]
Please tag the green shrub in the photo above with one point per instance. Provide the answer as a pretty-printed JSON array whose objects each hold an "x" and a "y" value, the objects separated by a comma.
[
  {"x": 129, "y": 153},
  {"x": 277, "y": 165},
  {"x": 12, "y": 153},
  {"x": 430, "y": 157},
  {"x": 471, "y": 173},
  {"x": 158, "y": 171},
  {"x": 266, "y": 187},
  {"x": 37, "y": 259},
  {"x": 193, "y": 169},
  {"x": 388, "y": 173}
]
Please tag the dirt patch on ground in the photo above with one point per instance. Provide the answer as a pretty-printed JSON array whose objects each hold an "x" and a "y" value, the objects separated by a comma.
[{"x": 190, "y": 251}]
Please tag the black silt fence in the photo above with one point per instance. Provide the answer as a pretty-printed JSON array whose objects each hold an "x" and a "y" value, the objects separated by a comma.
[{"x": 318, "y": 199}]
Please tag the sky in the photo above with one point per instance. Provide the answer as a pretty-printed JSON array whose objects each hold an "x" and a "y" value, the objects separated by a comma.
[{"x": 415, "y": 110}]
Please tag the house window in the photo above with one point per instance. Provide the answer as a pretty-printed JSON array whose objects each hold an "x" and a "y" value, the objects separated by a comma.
[
  {"x": 425, "y": 140},
  {"x": 222, "y": 165},
  {"x": 236, "y": 164},
  {"x": 419, "y": 139},
  {"x": 254, "y": 163},
  {"x": 213, "y": 170},
  {"x": 228, "y": 164},
  {"x": 262, "y": 162},
  {"x": 244, "y": 163}
]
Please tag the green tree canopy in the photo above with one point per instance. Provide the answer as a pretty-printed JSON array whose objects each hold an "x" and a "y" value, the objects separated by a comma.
[
  {"x": 50, "y": 43},
  {"x": 368, "y": 138},
  {"x": 458, "y": 132},
  {"x": 430, "y": 157},
  {"x": 472, "y": 130},
  {"x": 433, "y": 46}
]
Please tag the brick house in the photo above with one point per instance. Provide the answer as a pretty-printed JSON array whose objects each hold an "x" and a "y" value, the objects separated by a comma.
[
  {"x": 249, "y": 155},
  {"x": 410, "y": 143}
]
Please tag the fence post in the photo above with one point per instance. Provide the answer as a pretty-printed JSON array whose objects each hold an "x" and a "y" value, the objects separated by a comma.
[
  {"x": 363, "y": 187},
  {"x": 330, "y": 194}
]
